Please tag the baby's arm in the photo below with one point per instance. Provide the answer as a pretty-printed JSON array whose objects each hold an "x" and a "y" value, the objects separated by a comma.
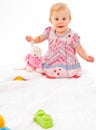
[
  {"x": 80, "y": 50},
  {"x": 37, "y": 39}
]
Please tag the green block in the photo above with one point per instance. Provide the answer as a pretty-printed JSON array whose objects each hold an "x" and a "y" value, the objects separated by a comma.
[{"x": 43, "y": 119}]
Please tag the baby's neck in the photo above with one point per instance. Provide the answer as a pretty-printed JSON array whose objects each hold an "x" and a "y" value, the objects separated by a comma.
[{"x": 61, "y": 33}]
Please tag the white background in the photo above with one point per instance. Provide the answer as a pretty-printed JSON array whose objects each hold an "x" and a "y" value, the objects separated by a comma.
[{"x": 19, "y": 18}]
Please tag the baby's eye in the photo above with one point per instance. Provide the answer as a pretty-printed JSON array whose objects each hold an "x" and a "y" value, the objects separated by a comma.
[
  {"x": 56, "y": 19},
  {"x": 64, "y": 18}
]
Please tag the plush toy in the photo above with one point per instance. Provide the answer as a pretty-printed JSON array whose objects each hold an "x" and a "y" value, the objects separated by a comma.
[{"x": 33, "y": 60}]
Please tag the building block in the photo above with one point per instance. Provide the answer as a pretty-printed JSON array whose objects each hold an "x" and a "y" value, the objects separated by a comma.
[
  {"x": 43, "y": 119},
  {"x": 5, "y": 128},
  {"x": 19, "y": 78},
  {"x": 2, "y": 124}
]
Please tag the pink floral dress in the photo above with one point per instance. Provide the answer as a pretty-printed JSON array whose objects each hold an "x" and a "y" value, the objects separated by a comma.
[{"x": 60, "y": 60}]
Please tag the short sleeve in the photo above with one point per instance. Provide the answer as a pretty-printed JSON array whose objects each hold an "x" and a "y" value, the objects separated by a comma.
[
  {"x": 47, "y": 32},
  {"x": 75, "y": 40}
]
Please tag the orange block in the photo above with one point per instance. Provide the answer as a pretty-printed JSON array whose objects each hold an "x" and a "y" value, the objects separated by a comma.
[
  {"x": 19, "y": 78},
  {"x": 2, "y": 122}
]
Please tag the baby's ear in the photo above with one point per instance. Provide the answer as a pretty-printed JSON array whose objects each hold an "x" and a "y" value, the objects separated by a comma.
[{"x": 50, "y": 20}]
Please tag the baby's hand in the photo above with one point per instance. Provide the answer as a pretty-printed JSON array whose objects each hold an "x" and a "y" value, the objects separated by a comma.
[
  {"x": 29, "y": 38},
  {"x": 90, "y": 59}
]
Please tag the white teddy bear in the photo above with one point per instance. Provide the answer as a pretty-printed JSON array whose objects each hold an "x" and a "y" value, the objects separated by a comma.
[{"x": 33, "y": 60}]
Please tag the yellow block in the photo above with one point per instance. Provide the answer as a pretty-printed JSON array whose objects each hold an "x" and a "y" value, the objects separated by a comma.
[
  {"x": 19, "y": 78},
  {"x": 2, "y": 122}
]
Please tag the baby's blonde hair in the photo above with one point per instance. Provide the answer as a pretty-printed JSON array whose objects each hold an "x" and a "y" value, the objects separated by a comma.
[{"x": 57, "y": 7}]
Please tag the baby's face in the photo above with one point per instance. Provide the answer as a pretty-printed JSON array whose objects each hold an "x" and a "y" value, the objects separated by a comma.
[{"x": 60, "y": 20}]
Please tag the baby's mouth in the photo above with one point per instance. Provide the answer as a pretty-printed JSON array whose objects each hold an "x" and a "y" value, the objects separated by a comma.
[{"x": 60, "y": 26}]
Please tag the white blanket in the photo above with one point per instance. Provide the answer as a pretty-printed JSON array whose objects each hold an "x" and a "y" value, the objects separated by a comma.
[{"x": 70, "y": 102}]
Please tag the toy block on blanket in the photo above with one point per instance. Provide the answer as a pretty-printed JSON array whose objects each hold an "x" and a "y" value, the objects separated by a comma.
[
  {"x": 43, "y": 119},
  {"x": 2, "y": 124},
  {"x": 19, "y": 78}
]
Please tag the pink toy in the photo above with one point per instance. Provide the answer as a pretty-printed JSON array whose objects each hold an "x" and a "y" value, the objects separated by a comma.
[{"x": 33, "y": 59}]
